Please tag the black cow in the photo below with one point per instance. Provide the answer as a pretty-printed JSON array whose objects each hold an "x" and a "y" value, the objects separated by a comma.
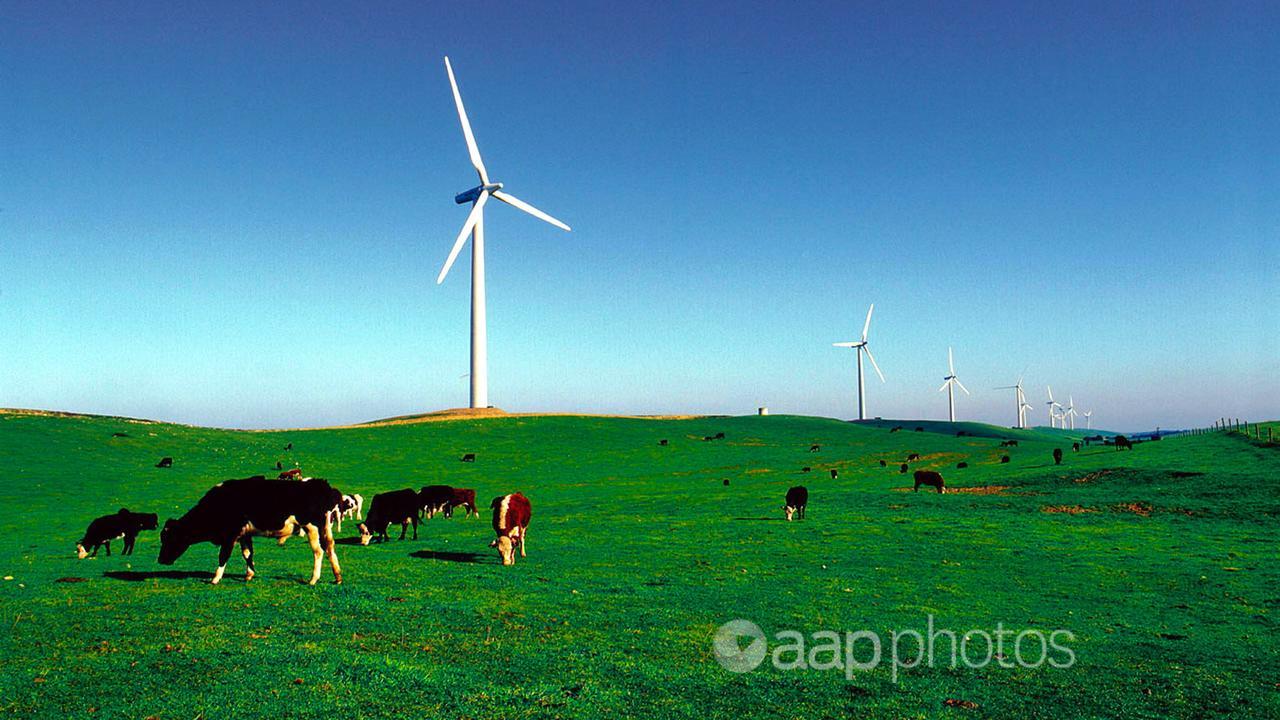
[
  {"x": 1004, "y": 458},
  {"x": 797, "y": 500},
  {"x": 835, "y": 474},
  {"x": 815, "y": 448},
  {"x": 919, "y": 429},
  {"x": 719, "y": 436},
  {"x": 663, "y": 443},
  {"x": 805, "y": 469},
  {"x": 902, "y": 469},
  {"x": 913, "y": 456},
  {"x": 1123, "y": 442},
  {"x": 397, "y": 506},
  {"x": 433, "y": 499},
  {"x": 931, "y": 479},
  {"x": 962, "y": 465},
  {"x": 1057, "y": 456},
  {"x": 883, "y": 463},
  {"x": 894, "y": 430},
  {"x": 165, "y": 462},
  {"x": 726, "y": 482},
  {"x": 1075, "y": 447},
  {"x": 469, "y": 457},
  {"x": 289, "y": 446},
  {"x": 123, "y": 525},
  {"x": 235, "y": 510}
]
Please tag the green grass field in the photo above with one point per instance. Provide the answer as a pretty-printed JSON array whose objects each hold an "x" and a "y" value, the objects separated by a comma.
[{"x": 1163, "y": 562}]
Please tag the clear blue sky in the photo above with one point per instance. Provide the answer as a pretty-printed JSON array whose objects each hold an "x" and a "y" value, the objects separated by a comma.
[{"x": 232, "y": 214}]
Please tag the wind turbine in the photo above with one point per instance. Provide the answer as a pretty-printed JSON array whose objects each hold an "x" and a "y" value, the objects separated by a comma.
[
  {"x": 1088, "y": 421},
  {"x": 1020, "y": 398},
  {"x": 1052, "y": 404},
  {"x": 474, "y": 226},
  {"x": 860, "y": 347},
  {"x": 949, "y": 384},
  {"x": 1025, "y": 407},
  {"x": 1070, "y": 412}
]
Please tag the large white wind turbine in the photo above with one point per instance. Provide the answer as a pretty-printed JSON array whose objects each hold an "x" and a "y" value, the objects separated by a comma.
[
  {"x": 950, "y": 382},
  {"x": 1070, "y": 412},
  {"x": 1021, "y": 400},
  {"x": 1053, "y": 417},
  {"x": 474, "y": 226},
  {"x": 1088, "y": 420},
  {"x": 860, "y": 346}
]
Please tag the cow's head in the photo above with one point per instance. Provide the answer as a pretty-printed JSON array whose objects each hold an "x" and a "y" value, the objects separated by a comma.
[
  {"x": 788, "y": 510},
  {"x": 174, "y": 540},
  {"x": 506, "y": 549},
  {"x": 365, "y": 535},
  {"x": 81, "y": 552}
]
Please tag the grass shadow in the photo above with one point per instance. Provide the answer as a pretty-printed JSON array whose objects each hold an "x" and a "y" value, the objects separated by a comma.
[
  {"x": 464, "y": 557},
  {"x": 139, "y": 576}
]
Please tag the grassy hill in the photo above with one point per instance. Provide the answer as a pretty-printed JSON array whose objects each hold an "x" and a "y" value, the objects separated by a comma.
[{"x": 1161, "y": 561}]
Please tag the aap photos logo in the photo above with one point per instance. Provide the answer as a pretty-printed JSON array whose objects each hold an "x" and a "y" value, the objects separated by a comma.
[{"x": 739, "y": 646}]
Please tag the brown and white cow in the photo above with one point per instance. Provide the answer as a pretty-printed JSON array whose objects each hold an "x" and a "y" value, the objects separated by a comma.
[
  {"x": 511, "y": 523},
  {"x": 930, "y": 478}
]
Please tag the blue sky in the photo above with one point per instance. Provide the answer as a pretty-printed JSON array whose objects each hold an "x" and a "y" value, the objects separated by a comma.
[{"x": 234, "y": 215}]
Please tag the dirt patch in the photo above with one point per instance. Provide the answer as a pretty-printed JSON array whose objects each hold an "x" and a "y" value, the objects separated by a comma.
[
  {"x": 1067, "y": 509},
  {"x": 1095, "y": 475},
  {"x": 975, "y": 490},
  {"x": 1137, "y": 508},
  {"x": 758, "y": 471}
]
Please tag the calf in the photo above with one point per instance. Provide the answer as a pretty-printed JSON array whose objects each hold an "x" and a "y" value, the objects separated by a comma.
[
  {"x": 236, "y": 510},
  {"x": 931, "y": 479},
  {"x": 165, "y": 462},
  {"x": 797, "y": 499},
  {"x": 1057, "y": 456},
  {"x": 464, "y": 498},
  {"x": 469, "y": 457},
  {"x": 433, "y": 499},
  {"x": 123, "y": 525},
  {"x": 397, "y": 506},
  {"x": 511, "y": 515}
]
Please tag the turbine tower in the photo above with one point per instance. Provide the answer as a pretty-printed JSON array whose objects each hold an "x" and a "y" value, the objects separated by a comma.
[
  {"x": 1088, "y": 420},
  {"x": 1052, "y": 404},
  {"x": 860, "y": 346},
  {"x": 474, "y": 226},
  {"x": 949, "y": 384},
  {"x": 1020, "y": 398}
]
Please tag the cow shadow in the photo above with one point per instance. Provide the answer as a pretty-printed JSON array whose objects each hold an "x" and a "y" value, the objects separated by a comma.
[
  {"x": 760, "y": 519},
  {"x": 462, "y": 557},
  {"x": 347, "y": 540},
  {"x": 139, "y": 576}
]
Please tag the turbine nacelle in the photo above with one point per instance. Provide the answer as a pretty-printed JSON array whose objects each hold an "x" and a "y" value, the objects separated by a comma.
[{"x": 474, "y": 193}]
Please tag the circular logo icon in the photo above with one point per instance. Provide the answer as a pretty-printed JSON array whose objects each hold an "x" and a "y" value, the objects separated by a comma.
[{"x": 729, "y": 650}]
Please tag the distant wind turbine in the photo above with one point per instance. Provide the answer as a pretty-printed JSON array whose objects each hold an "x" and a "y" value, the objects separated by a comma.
[
  {"x": 860, "y": 346},
  {"x": 1020, "y": 399},
  {"x": 1053, "y": 417},
  {"x": 949, "y": 384},
  {"x": 474, "y": 226},
  {"x": 1088, "y": 422},
  {"x": 1070, "y": 412}
]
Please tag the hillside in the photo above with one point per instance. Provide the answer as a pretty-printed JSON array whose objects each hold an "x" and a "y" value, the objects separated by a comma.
[{"x": 1156, "y": 560}]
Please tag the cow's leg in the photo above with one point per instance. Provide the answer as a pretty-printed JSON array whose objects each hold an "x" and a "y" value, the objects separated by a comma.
[
  {"x": 415, "y": 530},
  {"x": 224, "y": 554},
  {"x": 108, "y": 544},
  {"x": 524, "y": 533},
  {"x": 128, "y": 544},
  {"x": 246, "y": 549},
  {"x": 313, "y": 535},
  {"x": 360, "y": 509},
  {"x": 404, "y": 527},
  {"x": 326, "y": 540},
  {"x": 95, "y": 550},
  {"x": 917, "y": 487}
]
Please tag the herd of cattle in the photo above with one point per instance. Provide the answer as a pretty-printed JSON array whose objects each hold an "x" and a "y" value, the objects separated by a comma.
[{"x": 234, "y": 511}]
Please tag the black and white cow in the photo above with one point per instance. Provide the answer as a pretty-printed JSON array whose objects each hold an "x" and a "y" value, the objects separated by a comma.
[
  {"x": 123, "y": 525},
  {"x": 350, "y": 506},
  {"x": 397, "y": 506},
  {"x": 434, "y": 498},
  {"x": 797, "y": 501},
  {"x": 235, "y": 510}
]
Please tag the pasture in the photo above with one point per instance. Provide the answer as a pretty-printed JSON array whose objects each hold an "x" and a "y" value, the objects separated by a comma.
[{"x": 1164, "y": 563}]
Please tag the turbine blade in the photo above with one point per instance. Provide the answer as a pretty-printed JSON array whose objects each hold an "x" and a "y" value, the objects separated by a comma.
[
  {"x": 846, "y": 344},
  {"x": 466, "y": 125},
  {"x": 467, "y": 227},
  {"x": 867, "y": 325},
  {"x": 522, "y": 205},
  {"x": 872, "y": 358},
  {"x": 944, "y": 386},
  {"x": 962, "y": 387},
  {"x": 950, "y": 363}
]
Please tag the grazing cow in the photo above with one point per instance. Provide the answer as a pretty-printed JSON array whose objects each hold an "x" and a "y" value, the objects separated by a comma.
[
  {"x": 350, "y": 506},
  {"x": 289, "y": 446},
  {"x": 119, "y": 434},
  {"x": 902, "y": 469},
  {"x": 805, "y": 469},
  {"x": 815, "y": 448},
  {"x": 1004, "y": 458},
  {"x": 397, "y": 506},
  {"x": 235, "y": 510},
  {"x": 469, "y": 457},
  {"x": 663, "y": 443},
  {"x": 797, "y": 499},
  {"x": 1123, "y": 442},
  {"x": 433, "y": 499},
  {"x": 1075, "y": 447},
  {"x": 1009, "y": 443},
  {"x": 123, "y": 525},
  {"x": 962, "y": 465},
  {"x": 294, "y": 474},
  {"x": 726, "y": 482},
  {"x": 835, "y": 474},
  {"x": 913, "y": 456},
  {"x": 719, "y": 436},
  {"x": 1057, "y": 456},
  {"x": 894, "y": 430},
  {"x": 930, "y": 478},
  {"x": 511, "y": 523},
  {"x": 919, "y": 429},
  {"x": 707, "y": 438},
  {"x": 883, "y": 463},
  {"x": 165, "y": 462},
  {"x": 464, "y": 498}
]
